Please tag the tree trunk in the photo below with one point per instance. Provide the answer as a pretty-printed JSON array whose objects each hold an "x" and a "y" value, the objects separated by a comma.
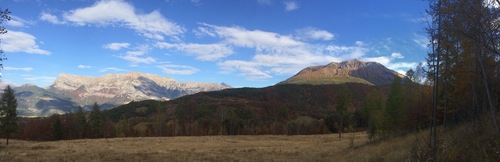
[
  {"x": 340, "y": 132},
  {"x": 490, "y": 102},
  {"x": 8, "y": 136}
]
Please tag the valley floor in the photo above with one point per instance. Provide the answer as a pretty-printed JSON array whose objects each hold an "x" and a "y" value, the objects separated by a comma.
[{"x": 208, "y": 148}]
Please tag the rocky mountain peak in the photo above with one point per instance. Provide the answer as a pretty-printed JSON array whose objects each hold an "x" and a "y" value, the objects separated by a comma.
[{"x": 358, "y": 71}]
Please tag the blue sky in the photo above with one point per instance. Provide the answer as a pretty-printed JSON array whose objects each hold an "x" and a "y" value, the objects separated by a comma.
[{"x": 245, "y": 43}]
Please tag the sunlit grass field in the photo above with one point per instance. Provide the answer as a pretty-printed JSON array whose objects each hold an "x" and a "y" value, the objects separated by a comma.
[{"x": 205, "y": 148}]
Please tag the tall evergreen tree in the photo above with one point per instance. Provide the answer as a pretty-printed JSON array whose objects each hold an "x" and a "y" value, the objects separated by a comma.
[
  {"x": 82, "y": 126},
  {"x": 8, "y": 113},
  {"x": 372, "y": 111},
  {"x": 394, "y": 111},
  {"x": 58, "y": 132},
  {"x": 96, "y": 121}
]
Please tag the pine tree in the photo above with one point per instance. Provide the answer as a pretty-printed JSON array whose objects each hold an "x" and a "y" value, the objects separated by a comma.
[
  {"x": 58, "y": 132},
  {"x": 372, "y": 111},
  {"x": 394, "y": 115},
  {"x": 81, "y": 123},
  {"x": 96, "y": 121},
  {"x": 8, "y": 113}
]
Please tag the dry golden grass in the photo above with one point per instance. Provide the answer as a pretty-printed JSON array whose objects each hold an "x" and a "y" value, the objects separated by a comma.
[{"x": 211, "y": 148}]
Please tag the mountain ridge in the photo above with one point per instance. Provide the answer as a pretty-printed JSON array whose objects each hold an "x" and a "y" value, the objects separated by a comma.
[
  {"x": 352, "y": 71},
  {"x": 109, "y": 90}
]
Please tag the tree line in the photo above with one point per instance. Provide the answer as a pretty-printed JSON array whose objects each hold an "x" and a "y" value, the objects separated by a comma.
[{"x": 385, "y": 111}]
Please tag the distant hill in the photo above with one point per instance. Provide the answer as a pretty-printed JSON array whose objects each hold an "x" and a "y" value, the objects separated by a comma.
[
  {"x": 268, "y": 110},
  {"x": 70, "y": 91},
  {"x": 354, "y": 71}
]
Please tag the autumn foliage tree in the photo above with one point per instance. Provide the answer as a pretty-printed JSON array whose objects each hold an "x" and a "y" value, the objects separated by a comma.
[
  {"x": 464, "y": 64},
  {"x": 343, "y": 102}
]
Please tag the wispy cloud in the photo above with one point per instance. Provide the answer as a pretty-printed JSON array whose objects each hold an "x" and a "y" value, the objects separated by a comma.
[
  {"x": 178, "y": 69},
  {"x": 40, "y": 79},
  {"x": 397, "y": 55},
  {"x": 119, "y": 13},
  {"x": 18, "y": 22},
  {"x": 51, "y": 18},
  {"x": 204, "y": 52},
  {"x": 392, "y": 63},
  {"x": 116, "y": 46},
  {"x": 20, "y": 69},
  {"x": 278, "y": 54},
  {"x": 112, "y": 69},
  {"x": 242, "y": 37},
  {"x": 84, "y": 67},
  {"x": 311, "y": 34},
  {"x": 421, "y": 40},
  {"x": 291, "y": 5},
  {"x": 136, "y": 55},
  {"x": 16, "y": 41}
]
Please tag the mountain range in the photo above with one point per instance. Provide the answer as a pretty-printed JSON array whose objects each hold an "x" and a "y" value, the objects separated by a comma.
[{"x": 110, "y": 90}]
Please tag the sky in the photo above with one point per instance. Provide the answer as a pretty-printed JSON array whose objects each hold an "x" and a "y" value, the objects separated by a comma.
[{"x": 244, "y": 43}]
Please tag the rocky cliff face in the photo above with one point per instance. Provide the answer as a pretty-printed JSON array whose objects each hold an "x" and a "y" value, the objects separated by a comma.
[
  {"x": 356, "y": 71},
  {"x": 108, "y": 90}
]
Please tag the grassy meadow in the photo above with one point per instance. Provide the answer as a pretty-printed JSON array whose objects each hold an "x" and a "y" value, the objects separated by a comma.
[{"x": 209, "y": 148}]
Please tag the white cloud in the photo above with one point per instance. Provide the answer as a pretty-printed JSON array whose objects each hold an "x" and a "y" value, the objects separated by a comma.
[
  {"x": 178, "y": 69},
  {"x": 384, "y": 60},
  {"x": 388, "y": 61},
  {"x": 136, "y": 56},
  {"x": 14, "y": 41},
  {"x": 21, "y": 69},
  {"x": 397, "y": 55},
  {"x": 204, "y": 52},
  {"x": 249, "y": 70},
  {"x": 119, "y": 13},
  {"x": 136, "y": 60},
  {"x": 112, "y": 69},
  {"x": 400, "y": 65},
  {"x": 310, "y": 33},
  {"x": 276, "y": 54},
  {"x": 242, "y": 37},
  {"x": 84, "y": 67},
  {"x": 116, "y": 46},
  {"x": 291, "y": 5},
  {"x": 18, "y": 22},
  {"x": 51, "y": 18},
  {"x": 41, "y": 79},
  {"x": 290, "y": 60},
  {"x": 421, "y": 40}
]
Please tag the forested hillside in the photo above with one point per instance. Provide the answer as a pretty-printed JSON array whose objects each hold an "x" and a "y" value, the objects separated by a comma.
[{"x": 281, "y": 109}]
